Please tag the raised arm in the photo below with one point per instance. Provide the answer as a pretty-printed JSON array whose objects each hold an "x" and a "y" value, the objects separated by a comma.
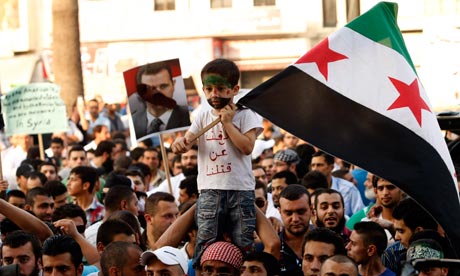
[
  {"x": 267, "y": 234},
  {"x": 25, "y": 220},
  {"x": 178, "y": 230}
]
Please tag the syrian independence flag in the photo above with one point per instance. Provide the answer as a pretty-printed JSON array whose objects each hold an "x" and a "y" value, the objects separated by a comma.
[{"x": 357, "y": 96}]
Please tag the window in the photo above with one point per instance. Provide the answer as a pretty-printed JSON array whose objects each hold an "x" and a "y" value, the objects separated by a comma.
[
  {"x": 164, "y": 5},
  {"x": 216, "y": 4},
  {"x": 259, "y": 3}
]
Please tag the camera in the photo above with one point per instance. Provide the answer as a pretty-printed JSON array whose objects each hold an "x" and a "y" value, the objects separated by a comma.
[{"x": 9, "y": 270}]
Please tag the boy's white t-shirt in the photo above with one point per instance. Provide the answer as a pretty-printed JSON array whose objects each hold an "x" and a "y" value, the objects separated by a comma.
[{"x": 221, "y": 166}]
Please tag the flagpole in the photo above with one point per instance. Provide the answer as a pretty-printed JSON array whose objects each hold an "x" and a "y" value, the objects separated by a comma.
[{"x": 40, "y": 146}]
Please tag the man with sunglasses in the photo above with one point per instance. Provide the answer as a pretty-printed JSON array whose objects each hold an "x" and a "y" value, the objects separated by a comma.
[{"x": 152, "y": 106}]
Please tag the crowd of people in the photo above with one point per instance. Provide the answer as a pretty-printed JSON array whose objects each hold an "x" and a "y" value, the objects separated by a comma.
[{"x": 248, "y": 198}]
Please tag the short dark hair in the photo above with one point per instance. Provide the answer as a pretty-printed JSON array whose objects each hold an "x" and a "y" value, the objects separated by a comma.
[
  {"x": 75, "y": 148},
  {"x": 32, "y": 193},
  {"x": 294, "y": 192},
  {"x": 60, "y": 244},
  {"x": 69, "y": 210},
  {"x": 19, "y": 238},
  {"x": 152, "y": 69},
  {"x": 290, "y": 177},
  {"x": 110, "y": 228},
  {"x": 98, "y": 128},
  {"x": 224, "y": 68},
  {"x": 269, "y": 262},
  {"x": 414, "y": 215},
  {"x": 328, "y": 236},
  {"x": 57, "y": 140},
  {"x": 24, "y": 170},
  {"x": 343, "y": 259},
  {"x": 38, "y": 175},
  {"x": 151, "y": 203},
  {"x": 261, "y": 185},
  {"x": 327, "y": 157},
  {"x": 55, "y": 188},
  {"x": 314, "y": 180},
  {"x": 372, "y": 233},
  {"x": 104, "y": 147},
  {"x": 189, "y": 183},
  {"x": 122, "y": 142},
  {"x": 319, "y": 192},
  {"x": 136, "y": 153},
  {"x": 86, "y": 174},
  {"x": 15, "y": 193},
  {"x": 115, "y": 195},
  {"x": 115, "y": 254},
  {"x": 47, "y": 163},
  {"x": 143, "y": 168}
]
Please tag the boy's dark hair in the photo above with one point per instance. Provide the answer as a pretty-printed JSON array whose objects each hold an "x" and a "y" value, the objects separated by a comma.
[
  {"x": 372, "y": 233},
  {"x": 321, "y": 191},
  {"x": 121, "y": 142},
  {"x": 269, "y": 262},
  {"x": 190, "y": 185},
  {"x": 15, "y": 193},
  {"x": 110, "y": 228},
  {"x": 152, "y": 69},
  {"x": 414, "y": 215},
  {"x": 314, "y": 180},
  {"x": 60, "y": 244},
  {"x": 224, "y": 68},
  {"x": 69, "y": 210},
  {"x": 20, "y": 238},
  {"x": 114, "y": 255},
  {"x": 136, "y": 153},
  {"x": 55, "y": 188},
  {"x": 290, "y": 177},
  {"x": 86, "y": 174},
  {"x": 325, "y": 235},
  {"x": 7, "y": 226},
  {"x": 32, "y": 193},
  {"x": 294, "y": 192}
]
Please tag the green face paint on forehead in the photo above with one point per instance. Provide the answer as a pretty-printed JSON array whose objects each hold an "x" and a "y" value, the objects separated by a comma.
[{"x": 216, "y": 80}]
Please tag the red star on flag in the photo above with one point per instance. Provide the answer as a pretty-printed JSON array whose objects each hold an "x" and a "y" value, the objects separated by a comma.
[
  {"x": 322, "y": 55},
  {"x": 409, "y": 96}
]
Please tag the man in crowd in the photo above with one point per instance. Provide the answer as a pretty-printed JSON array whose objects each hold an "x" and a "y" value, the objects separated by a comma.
[
  {"x": 329, "y": 211},
  {"x": 62, "y": 256},
  {"x": 320, "y": 244},
  {"x": 260, "y": 264},
  {"x": 324, "y": 163},
  {"x": 295, "y": 214},
  {"x": 24, "y": 249},
  {"x": 221, "y": 257},
  {"x": 121, "y": 258},
  {"x": 367, "y": 243},
  {"x": 40, "y": 202},
  {"x": 339, "y": 265},
  {"x": 165, "y": 260},
  {"x": 151, "y": 157},
  {"x": 160, "y": 212}
]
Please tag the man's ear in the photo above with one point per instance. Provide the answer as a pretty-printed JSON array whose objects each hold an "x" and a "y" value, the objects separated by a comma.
[
  {"x": 27, "y": 207},
  {"x": 148, "y": 218},
  {"x": 371, "y": 250},
  {"x": 100, "y": 247},
  {"x": 113, "y": 271},
  {"x": 86, "y": 185},
  {"x": 80, "y": 269},
  {"x": 123, "y": 204}
]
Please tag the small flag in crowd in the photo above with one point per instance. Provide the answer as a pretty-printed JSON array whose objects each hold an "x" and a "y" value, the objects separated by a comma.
[{"x": 357, "y": 96}]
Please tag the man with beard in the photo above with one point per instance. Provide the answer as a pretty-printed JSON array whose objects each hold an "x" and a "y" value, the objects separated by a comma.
[
  {"x": 62, "y": 256},
  {"x": 295, "y": 213},
  {"x": 103, "y": 157},
  {"x": 329, "y": 212},
  {"x": 189, "y": 161},
  {"x": 24, "y": 249},
  {"x": 155, "y": 89},
  {"x": 40, "y": 202}
]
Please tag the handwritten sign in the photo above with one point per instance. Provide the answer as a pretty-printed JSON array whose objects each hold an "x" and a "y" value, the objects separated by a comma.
[{"x": 34, "y": 108}]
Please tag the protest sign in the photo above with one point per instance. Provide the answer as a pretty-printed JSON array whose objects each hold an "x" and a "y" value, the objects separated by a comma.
[{"x": 34, "y": 109}]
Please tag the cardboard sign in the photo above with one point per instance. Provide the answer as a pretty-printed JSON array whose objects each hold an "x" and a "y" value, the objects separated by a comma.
[{"x": 34, "y": 108}]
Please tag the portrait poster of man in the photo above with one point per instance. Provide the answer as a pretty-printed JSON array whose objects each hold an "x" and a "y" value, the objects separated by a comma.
[{"x": 157, "y": 98}]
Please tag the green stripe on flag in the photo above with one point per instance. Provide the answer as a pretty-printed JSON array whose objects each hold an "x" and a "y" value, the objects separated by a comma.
[{"x": 380, "y": 25}]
